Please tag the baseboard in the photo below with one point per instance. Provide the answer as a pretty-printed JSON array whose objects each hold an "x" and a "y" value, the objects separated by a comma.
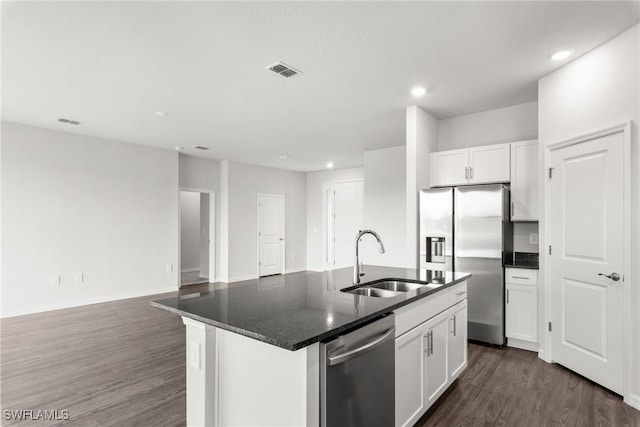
[
  {"x": 88, "y": 301},
  {"x": 241, "y": 278},
  {"x": 189, "y": 270},
  {"x": 294, "y": 271},
  {"x": 523, "y": 345},
  {"x": 632, "y": 400}
]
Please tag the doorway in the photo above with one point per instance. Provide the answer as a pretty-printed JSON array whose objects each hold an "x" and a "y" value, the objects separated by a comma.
[
  {"x": 343, "y": 219},
  {"x": 271, "y": 230},
  {"x": 197, "y": 237}
]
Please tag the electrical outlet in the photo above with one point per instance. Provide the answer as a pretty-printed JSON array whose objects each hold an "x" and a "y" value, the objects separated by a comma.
[
  {"x": 79, "y": 277},
  {"x": 169, "y": 268},
  {"x": 55, "y": 280},
  {"x": 533, "y": 238}
]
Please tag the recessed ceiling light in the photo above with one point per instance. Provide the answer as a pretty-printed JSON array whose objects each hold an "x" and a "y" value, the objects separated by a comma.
[
  {"x": 418, "y": 91},
  {"x": 161, "y": 113},
  {"x": 285, "y": 157},
  {"x": 329, "y": 165},
  {"x": 561, "y": 54}
]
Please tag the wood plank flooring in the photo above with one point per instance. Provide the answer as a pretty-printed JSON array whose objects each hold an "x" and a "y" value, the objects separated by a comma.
[{"x": 122, "y": 363}]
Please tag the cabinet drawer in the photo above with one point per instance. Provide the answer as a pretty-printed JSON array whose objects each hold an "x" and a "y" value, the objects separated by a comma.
[
  {"x": 522, "y": 276},
  {"x": 457, "y": 293},
  {"x": 410, "y": 316}
]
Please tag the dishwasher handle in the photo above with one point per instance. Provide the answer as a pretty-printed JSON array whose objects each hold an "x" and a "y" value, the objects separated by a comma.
[{"x": 336, "y": 359}]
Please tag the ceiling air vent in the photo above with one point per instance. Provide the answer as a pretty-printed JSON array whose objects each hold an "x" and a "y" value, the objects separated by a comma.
[
  {"x": 69, "y": 122},
  {"x": 283, "y": 69},
  {"x": 200, "y": 147}
]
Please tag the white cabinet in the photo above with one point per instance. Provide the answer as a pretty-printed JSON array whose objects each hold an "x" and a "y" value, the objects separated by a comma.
[
  {"x": 410, "y": 393},
  {"x": 449, "y": 167},
  {"x": 524, "y": 181},
  {"x": 430, "y": 355},
  {"x": 477, "y": 165},
  {"x": 436, "y": 373},
  {"x": 489, "y": 163},
  {"x": 457, "y": 339},
  {"x": 521, "y": 313}
]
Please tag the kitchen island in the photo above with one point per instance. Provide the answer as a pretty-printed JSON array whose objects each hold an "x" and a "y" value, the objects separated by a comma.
[{"x": 253, "y": 348}]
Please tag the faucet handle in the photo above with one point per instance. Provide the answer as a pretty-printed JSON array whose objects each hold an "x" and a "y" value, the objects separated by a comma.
[{"x": 361, "y": 269}]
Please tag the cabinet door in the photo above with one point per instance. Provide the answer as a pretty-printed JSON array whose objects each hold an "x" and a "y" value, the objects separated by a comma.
[
  {"x": 457, "y": 339},
  {"x": 521, "y": 314},
  {"x": 449, "y": 167},
  {"x": 524, "y": 181},
  {"x": 436, "y": 373},
  {"x": 489, "y": 163},
  {"x": 410, "y": 395}
]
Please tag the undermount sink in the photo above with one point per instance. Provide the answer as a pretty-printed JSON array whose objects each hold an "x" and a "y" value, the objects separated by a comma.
[
  {"x": 389, "y": 288},
  {"x": 396, "y": 286},
  {"x": 373, "y": 292}
]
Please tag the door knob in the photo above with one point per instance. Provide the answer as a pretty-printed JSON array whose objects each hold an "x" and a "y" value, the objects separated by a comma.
[
  {"x": 281, "y": 238},
  {"x": 613, "y": 276}
]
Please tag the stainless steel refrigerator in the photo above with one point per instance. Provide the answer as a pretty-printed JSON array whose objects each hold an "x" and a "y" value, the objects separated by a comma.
[{"x": 468, "y": 229}]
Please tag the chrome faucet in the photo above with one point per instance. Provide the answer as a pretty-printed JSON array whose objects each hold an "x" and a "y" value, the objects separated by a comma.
[{"x": 357, "y": 270}]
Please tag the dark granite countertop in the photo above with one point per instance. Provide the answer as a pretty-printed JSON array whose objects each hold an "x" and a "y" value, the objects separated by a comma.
[
  {"x": 524, "y": 260},
  {"x": 295, "y": 310}
]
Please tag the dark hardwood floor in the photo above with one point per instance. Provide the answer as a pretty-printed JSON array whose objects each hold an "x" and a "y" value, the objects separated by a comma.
[{"x": 122, "y": 363}]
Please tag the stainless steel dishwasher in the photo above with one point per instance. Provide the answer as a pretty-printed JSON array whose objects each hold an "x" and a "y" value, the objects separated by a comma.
[{"x": 357, "y": 377}]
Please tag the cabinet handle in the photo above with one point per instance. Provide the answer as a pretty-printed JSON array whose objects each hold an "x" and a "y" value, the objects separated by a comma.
[
  {"x": 470, "y": 172},
  {"x": 513, "y": 209},
  {"x": 431, "y": 341},
  {"x": 425, "y": 344},
  {"x": 507, "y": 296},
  {"x": 454, "y": 325},
  {"x": 520, "y": 277},
  {"x": 466, "y": 172},
  {"x": 461, "y": 293}
]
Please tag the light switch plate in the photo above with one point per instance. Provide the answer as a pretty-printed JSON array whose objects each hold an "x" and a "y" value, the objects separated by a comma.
[
  {"x": 79, "y": 277},
  {"x": 55, "y": 280},
  {"x": 169, "y": 268},
  {"x": 533, "y": 238}
]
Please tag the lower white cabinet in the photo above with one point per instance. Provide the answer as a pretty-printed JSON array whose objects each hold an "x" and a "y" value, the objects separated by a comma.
[
  {"x": 521, "y": 308},
  {"x": 429, "y": 357},
  {"x": 457, "y": 339}
]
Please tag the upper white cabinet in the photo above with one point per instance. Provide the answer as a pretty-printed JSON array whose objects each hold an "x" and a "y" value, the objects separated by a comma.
[
  {"x": 449, "y": 167},
  {"x": 524, "y": 181},
  {"x": 477, "y": 165}
]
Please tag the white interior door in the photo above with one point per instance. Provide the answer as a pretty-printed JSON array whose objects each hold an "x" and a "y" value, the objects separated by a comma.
[
  {"x": 347, "y": 204},
  {"x": 586, "y": 236},
  {"x": 270, "y": 234}
]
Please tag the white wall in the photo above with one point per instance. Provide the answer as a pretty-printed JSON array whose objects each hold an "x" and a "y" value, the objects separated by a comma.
[
  {"x": 316, "y": 209},
  {"x": 204, "y": 174},
  {"x": 75, "y": 204},
  {"x": 521, "y": 232},
  {"x": 385, "y": 206},
  {"x": 189, "y": 230},
  {"x": 598, "y": 90},
  {"x": 515, "y": 123},
  {"x": 244, "y": 183}
]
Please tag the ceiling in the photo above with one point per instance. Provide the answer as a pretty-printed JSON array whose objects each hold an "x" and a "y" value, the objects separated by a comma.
[{"x": 113, "y": 65}]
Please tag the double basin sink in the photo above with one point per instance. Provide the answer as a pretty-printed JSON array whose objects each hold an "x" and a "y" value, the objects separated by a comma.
[{"x": 389, "y": 288}]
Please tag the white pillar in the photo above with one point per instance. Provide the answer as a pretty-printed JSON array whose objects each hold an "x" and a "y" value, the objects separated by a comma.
[{"x": 422, "y": 139}]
